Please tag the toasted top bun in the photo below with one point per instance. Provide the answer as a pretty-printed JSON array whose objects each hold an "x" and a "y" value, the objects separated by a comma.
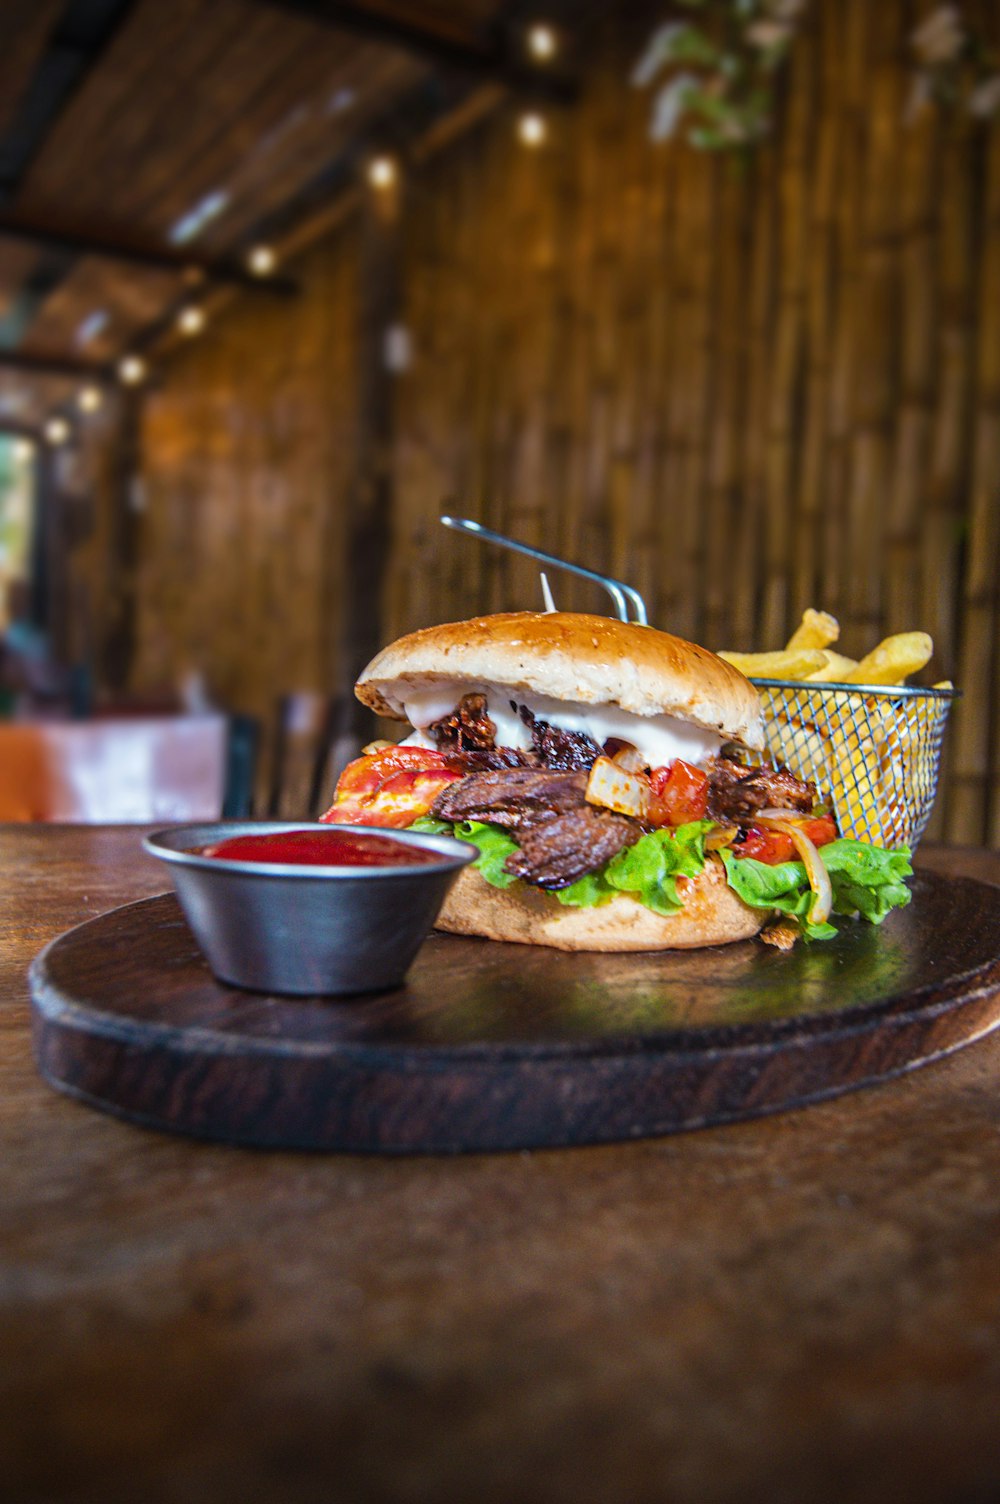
[
  {"x": 712, "y": 915},
  {"x": 591, "y": 660}
]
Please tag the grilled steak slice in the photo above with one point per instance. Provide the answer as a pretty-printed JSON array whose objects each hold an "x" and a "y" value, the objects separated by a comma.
[
  {"x": 736, "y": 793},
  {"x": 490, "y": 759},
  {"x": 468, "y": 728},
  {"x": 562, "y": 751},
  {"x": 555, "y": 852},
  {"x": 511, "y": 797}
]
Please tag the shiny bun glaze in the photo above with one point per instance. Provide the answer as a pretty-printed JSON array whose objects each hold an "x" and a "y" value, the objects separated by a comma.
[
  {"x": 591, "y": 660},
  {"x": 712, "y": 915}
]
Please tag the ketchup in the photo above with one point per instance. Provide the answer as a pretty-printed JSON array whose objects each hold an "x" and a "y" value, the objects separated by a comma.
[{"x": 321, "y": 848}]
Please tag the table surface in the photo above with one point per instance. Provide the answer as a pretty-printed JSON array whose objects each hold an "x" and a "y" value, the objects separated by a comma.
[{"x": 805, "y": 1307}]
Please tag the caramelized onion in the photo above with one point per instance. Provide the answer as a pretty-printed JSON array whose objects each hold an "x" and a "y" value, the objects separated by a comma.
[
  {"x": 819, "y": 879},
  {"x": 722, "y": 835}
]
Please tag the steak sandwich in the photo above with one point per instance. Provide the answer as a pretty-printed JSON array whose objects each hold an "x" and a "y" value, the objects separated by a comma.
[{"x": 614, "y": 780}]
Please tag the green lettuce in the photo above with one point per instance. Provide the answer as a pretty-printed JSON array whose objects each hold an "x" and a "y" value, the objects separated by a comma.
[
  {"x": 866, "y": 880},
  {"x": 782, "y": 888},
  {"x": 648, "y": 870},
  {"x": 495, "y": 846}
]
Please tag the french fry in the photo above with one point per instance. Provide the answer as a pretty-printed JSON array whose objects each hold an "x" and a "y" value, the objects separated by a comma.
[
  {"x": 893, "y": 660},
  {"x": 836, "y": 668},
  {"x": 780, "y": 665},
  {"x": 817, "y": 629},
  {"x": 869, "y": 754},
  {"x": 857, "y": 766}
]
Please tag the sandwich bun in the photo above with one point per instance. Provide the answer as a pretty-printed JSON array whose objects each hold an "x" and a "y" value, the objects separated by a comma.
[
  {"x": 588, "y": 660},
  {"x": 712, "y": 915}
]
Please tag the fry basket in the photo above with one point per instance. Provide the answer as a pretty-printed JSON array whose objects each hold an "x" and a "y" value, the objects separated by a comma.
[{"x": 874, "y": 753}]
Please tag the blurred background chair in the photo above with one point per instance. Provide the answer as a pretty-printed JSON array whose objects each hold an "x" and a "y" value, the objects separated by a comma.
[{"x": 309, "y": 748}]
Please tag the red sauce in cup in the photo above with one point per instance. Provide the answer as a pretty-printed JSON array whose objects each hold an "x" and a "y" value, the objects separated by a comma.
[{"x": 321, "y": 848}]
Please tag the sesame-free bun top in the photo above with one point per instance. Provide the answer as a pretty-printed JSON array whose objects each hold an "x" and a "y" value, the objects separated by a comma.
[{"x": 589, "y": 660}]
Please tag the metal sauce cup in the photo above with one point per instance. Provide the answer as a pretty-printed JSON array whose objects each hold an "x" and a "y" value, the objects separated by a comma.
[{"x": 307, "y": 930}]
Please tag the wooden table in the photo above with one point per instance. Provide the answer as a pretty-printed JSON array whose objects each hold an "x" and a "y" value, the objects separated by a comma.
[{"x": 802, "y": 1308}]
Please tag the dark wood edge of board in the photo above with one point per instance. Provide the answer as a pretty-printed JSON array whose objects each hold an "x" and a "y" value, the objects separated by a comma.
[
  {"x": 465, "y": 1142},
  {"x": 48, "y": 1003}
]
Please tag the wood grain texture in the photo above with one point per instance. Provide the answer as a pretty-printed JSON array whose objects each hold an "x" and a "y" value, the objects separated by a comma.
[
  {"x": 489, "y": 1046},
  {"x": 800, "y": 1307}
]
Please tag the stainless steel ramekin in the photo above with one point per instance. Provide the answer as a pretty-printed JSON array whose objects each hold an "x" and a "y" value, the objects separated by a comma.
[{"x": 306, "y": 930}]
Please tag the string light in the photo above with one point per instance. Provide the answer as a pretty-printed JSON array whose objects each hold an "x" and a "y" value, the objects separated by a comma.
[
  {"x": 191, "y": 320},
  {"x": 131, "y": 370},
  {"x": 57, "y": 430},
  {"x": 382, "y": 172},
  {"x": 543, "y": 43},
  {"x": 89, "y": 399},
  {"x": 24, "y": 450},
  {"x": 261, "y": 261},
  {"x": 532, "y": 129}
]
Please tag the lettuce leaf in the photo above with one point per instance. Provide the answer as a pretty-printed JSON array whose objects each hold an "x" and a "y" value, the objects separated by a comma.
[
  {"x": 649, "y": 870},
  {"x": 782, "y": 888},
  {"x": 867, "y": 880},
  {"x": 495, "y": 845}
]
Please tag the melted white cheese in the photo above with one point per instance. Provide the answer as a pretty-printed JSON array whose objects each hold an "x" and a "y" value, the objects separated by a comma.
[{"x": 659, "y": 738}]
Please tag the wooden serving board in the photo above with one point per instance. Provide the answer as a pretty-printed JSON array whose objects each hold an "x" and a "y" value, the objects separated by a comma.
[{"x": 494, "y": 1046}]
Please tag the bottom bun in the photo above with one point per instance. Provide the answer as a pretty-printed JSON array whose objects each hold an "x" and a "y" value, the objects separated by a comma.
[{"x": 712, "y": 915}]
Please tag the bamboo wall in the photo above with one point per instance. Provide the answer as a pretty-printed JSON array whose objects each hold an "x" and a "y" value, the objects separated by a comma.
[
  {"x": 745, "y": 387},
  {"x": 248, "y": 453}
]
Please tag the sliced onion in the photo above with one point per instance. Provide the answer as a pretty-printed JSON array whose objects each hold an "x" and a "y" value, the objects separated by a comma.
[
  {"x": 819, "y": 878},
  {"x": 722, "y": 835}
]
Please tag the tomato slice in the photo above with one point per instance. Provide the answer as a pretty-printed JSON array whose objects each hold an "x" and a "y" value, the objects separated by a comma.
[
  {"x": 390, "y": 788},
  {"x": 773, "y": 846},
  {"x": 366, "y": 774},
  {"x": 768, "y": 846},
  {"x": 681, "y": 792},
  {"x": 821, "y": 830}
]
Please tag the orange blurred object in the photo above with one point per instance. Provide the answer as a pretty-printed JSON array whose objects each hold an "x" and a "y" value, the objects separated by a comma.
[{"x": 140, "y": 770}]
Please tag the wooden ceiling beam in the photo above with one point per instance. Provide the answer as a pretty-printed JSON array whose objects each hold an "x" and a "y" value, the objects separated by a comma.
[
  {"x": 14, "y": 428},
  {"x": 113, "y": 247},
  {"x": 30, "y": 364},
  {"x": 83, "y": 32},
  {"x": 489, "y": 61}
]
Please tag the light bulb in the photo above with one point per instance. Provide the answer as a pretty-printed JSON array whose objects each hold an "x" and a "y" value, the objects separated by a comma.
[
  {"x": 382, "y": 172},
  {"x": 131, "y": 369},
  {"x": 57, "y": 430},
  {"x": 89, "y": 399},
  {"x": 532, "y": 129},
  {"x": 262, "y": 260},
  {"x": 542, "y": 42},
  {"x": 191, "y": 320}
]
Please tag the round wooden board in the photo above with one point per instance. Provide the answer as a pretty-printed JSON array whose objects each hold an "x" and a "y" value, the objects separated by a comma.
[{"x": 494, "y": 1046}]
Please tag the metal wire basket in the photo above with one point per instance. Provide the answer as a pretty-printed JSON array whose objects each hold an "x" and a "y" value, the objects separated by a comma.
[{"x": 873, "y": 753}]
